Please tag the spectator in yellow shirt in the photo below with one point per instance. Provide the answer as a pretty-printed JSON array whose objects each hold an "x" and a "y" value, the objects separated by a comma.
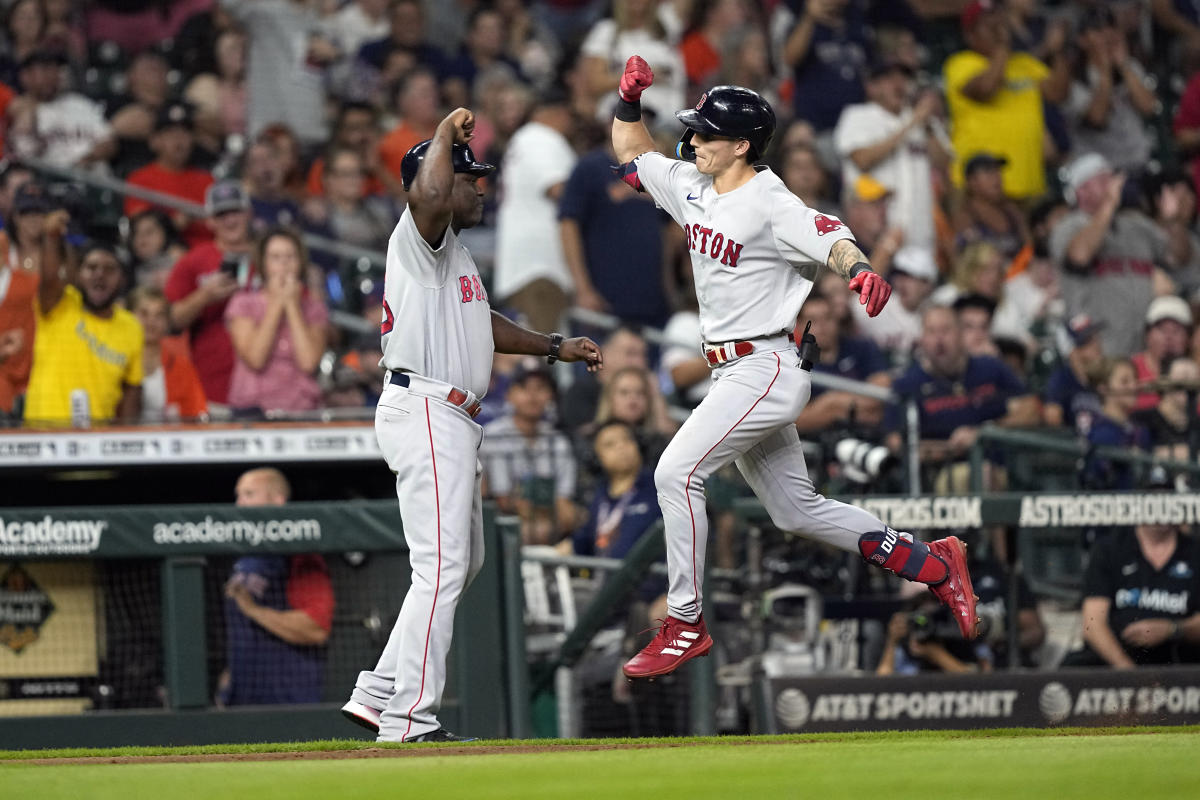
[
  {"x": 995, "y": 100},
  {"x": 87, "y": 352}
]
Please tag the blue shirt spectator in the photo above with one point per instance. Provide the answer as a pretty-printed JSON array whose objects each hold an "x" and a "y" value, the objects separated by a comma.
[
  {"x": 596, "y": 210},
  {"x": 1068, "y": 394},
  {"x": 955, "y": 392},
  {"x": 846, "y": 357},
  {"x": 1113, "y": 427},
  {"x": 978, "y": 394},
  {"x": 827, "y": 50},
  {"x": 626, "y": 503}
]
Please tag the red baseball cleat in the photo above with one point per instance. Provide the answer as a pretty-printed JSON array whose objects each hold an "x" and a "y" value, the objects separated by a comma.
[
  {"x": 956, "y": 591},
  {"x": 675, "y": 643}
]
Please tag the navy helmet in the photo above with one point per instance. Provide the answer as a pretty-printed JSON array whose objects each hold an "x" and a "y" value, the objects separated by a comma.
[
  {"x": 731, "y": 112},
  {"x": 460, "y": 156}
]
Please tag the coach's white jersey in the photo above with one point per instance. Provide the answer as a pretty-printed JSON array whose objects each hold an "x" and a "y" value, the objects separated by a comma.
[
  {"x": 747, "y": 246},
  {"x": 436, "y": 318}
]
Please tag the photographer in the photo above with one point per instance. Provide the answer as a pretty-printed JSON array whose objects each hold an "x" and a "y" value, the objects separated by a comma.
[
  {"x": 203, "y": 280},
  {"x": 87, "y": 353},
  {"x": 928, "y": 640}
]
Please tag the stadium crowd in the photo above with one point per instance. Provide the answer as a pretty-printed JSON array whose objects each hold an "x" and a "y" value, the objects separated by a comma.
[{"x": 1024, "y": 173}]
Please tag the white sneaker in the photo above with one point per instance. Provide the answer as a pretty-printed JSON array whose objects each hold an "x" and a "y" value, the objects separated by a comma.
[{"x": 361, "y": 715}]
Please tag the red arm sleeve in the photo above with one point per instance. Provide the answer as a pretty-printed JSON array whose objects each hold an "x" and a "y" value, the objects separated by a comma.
[{"x": 310, "y": 590}]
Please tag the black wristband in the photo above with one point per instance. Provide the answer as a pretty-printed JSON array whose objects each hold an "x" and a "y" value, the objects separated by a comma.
[
  {"x": 861, "y": 266},
  {"x": 627, "y": 111},
  {"x": 556, "y": 340}
]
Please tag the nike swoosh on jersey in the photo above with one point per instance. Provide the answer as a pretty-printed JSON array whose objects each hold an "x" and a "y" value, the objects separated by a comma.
[{"x": 689, "y": 197}]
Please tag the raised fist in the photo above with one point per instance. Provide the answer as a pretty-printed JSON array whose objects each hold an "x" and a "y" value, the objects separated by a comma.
[{"x": 637, "y": 78}]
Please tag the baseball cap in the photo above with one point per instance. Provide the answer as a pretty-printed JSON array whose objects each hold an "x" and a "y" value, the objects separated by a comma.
[
  {"x": 531, "y": 368},
  {"x": 1083, "y": 169},
  {"x": 1168, "y": 307},
  {"x": 225, "y": 196},
  {"x": 174, "y": 114},
  {"x": 42, "y": 55},
  {"x": 973, "y": 11},
  {"x": 887, "y": 66},
  {"x": 1097, "y": 18},
  {"x": 915, "y": 261},
  {"x": 983, "y": 161},
  {"x": 1082, "y": 328},
  {"x": 868, "y": 190},
  {"x": 554, "y": 95},
  {"x": 31, "y": 199}
]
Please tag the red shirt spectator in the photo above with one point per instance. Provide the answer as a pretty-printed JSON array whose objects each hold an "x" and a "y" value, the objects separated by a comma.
[
  {"x": 1187, "y": 125},
  {"x": 169, "y": 173},
  {"x": 199, "y": 289},
  {"x": 17, "y": 288}
]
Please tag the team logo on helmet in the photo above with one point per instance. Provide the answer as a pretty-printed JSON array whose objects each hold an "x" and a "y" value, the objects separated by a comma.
[
  {"x": 700, "y": 104},
  {"x": 827, "y": 224}
]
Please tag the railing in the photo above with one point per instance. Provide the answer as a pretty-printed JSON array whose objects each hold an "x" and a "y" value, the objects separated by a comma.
[
  {"x": 1031, "y": 440},
  {"x": 357, "y": 324}
]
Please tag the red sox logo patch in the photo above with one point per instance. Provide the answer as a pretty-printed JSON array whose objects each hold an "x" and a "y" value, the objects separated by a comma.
[{"x": 827, "y": 224}]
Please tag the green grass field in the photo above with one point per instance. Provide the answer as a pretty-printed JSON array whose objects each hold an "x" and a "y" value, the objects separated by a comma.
[{"x": 1131, "y": 764}]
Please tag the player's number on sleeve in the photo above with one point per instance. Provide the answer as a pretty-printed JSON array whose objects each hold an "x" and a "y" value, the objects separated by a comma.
[{"x": 388, "y": 319}]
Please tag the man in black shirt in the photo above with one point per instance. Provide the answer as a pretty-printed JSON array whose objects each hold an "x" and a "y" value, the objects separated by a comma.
[{"x": 1141, "y": 600}]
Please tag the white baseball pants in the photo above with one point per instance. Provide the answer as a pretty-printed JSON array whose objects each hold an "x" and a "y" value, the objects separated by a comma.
[
  {"x": 433, "y": 448},
  {"x": 748, "y": 415}
]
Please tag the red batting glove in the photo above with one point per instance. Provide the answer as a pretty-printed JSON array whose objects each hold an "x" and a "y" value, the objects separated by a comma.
[
  {"x": 637, "y": 78},
  {"x": 873, "y": 291}
]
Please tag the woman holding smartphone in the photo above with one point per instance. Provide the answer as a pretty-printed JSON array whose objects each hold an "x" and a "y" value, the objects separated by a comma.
[{"x": 279, "y": 331}]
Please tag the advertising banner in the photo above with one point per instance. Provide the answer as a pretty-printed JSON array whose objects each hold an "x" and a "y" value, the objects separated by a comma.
[
  {"x": 188, "y": 530},
  {"x": 1161, "y": 696}
]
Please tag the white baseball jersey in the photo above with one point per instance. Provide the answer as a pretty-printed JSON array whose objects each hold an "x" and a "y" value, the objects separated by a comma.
[
  {"x": 436, "y": 319},
  {"x": 747, "y": 246}
]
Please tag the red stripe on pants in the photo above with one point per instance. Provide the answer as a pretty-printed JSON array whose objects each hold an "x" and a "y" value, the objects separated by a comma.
[
  {"x": 687, "y": 484},
  {"x": 438, "y": 581}
]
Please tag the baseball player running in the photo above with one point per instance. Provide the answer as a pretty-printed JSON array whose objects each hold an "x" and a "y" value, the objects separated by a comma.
[
  {"x": 748, "y": 235},
  {"x": 438, "y": 337}
]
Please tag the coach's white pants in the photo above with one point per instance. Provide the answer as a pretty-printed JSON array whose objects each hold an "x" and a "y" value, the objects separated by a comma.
[
  {"x": 748, "y": 415},
  {"x": 433, "y": 448}
]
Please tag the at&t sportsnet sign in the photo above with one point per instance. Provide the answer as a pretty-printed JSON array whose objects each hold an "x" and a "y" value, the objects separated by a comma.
[{"x": 1164, "y": 696}]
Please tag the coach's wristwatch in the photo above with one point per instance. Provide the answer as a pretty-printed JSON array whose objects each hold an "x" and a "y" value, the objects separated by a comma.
[{"x": 556, "y": 340}]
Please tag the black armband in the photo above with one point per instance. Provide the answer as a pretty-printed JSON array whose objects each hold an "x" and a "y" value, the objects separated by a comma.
[
  {"x": 627, "y": 111},
  {"x": 556, "y": 340},
  {"x": 861, "y": 266}
]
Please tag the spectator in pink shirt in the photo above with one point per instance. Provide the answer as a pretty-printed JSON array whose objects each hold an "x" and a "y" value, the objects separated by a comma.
[{"x": 279, "y": 331}]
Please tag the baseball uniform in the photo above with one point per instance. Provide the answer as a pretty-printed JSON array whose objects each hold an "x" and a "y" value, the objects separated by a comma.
[
  {"x": 437, "y": 334},
  {"x": 747, "y": 248}
]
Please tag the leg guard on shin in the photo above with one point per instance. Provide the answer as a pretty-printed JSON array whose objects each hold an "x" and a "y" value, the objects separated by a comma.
[{"x": 902, "y": 555}]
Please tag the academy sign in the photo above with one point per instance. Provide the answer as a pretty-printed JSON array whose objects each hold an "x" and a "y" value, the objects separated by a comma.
[{"x": 50, "y": 536}]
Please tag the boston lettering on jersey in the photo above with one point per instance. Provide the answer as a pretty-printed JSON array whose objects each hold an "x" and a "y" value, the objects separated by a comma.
[
  {"x": 472, "y": 288},
  {"x": 718, "y": 246}
]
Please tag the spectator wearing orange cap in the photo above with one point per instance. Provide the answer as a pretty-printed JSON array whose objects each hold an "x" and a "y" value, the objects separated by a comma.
[{"x": 866, "y": 206}]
